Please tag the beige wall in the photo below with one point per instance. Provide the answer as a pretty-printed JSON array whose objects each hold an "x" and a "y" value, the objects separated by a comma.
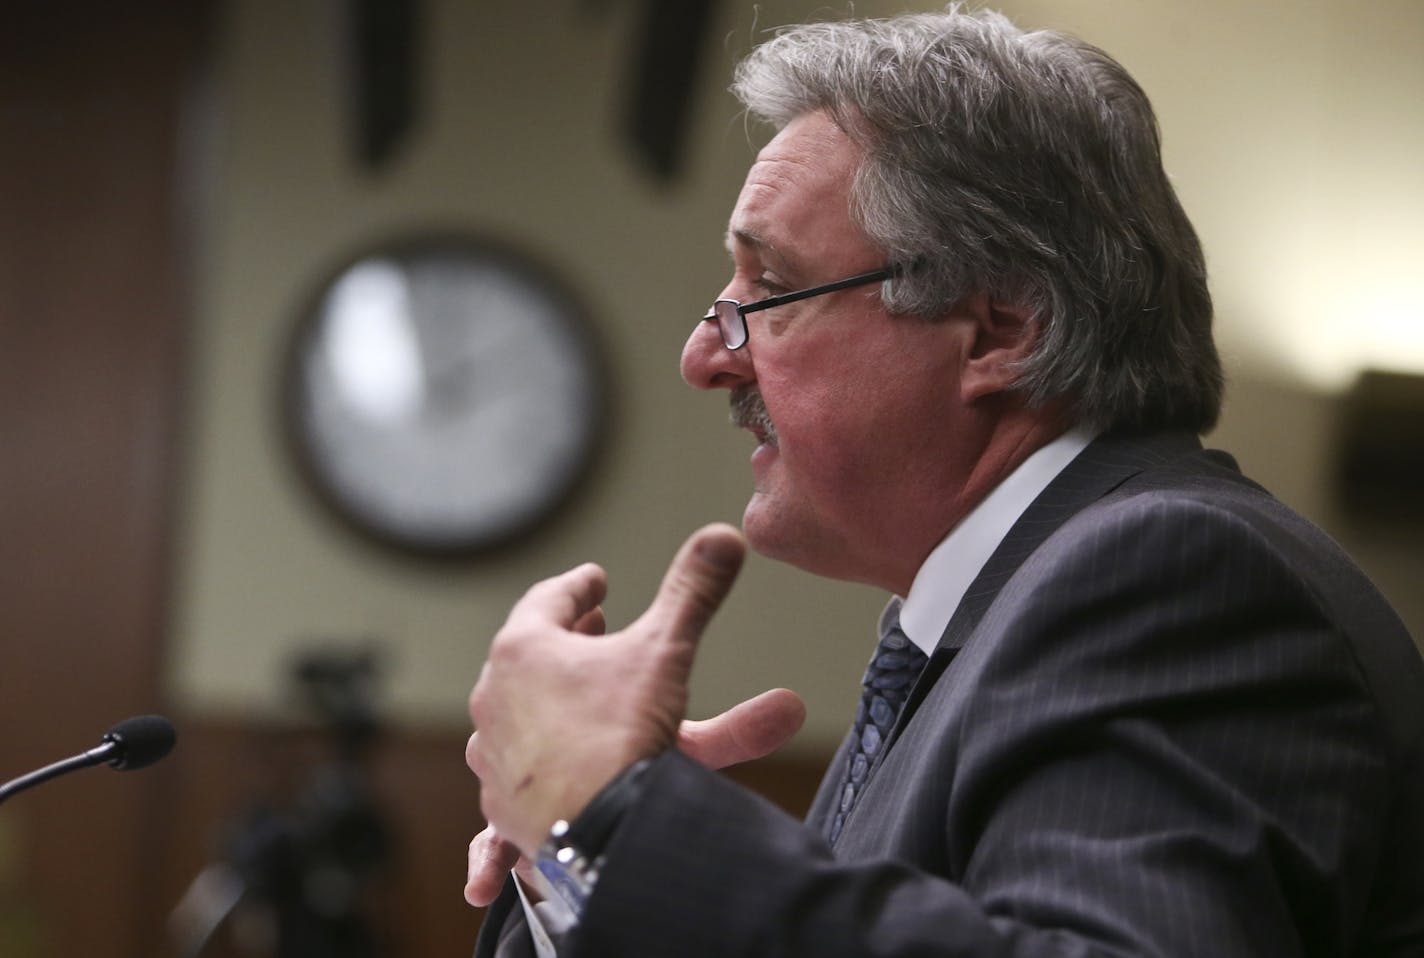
[{"x": 1293, "y": 131}]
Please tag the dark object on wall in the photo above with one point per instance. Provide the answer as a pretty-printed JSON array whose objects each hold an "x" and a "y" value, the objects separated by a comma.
[
  {"x": 382, "y": 57},
  {"x": 1381, "y": 460},
  {"x": 663, "y": 81}
]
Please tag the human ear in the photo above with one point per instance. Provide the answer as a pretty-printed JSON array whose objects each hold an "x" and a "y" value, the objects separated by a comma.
[{"x": 1003, "y": 335}]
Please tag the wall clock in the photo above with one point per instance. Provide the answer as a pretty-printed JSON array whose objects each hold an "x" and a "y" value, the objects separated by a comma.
[{"x": 444, "y": 395}]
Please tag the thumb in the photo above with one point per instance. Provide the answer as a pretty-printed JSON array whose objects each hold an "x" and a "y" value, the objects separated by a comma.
[
  {"x": 753, "y": 729},
  {"x": 696, "y": 583}
]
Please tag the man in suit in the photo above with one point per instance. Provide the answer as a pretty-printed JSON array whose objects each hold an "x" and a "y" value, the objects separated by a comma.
[{"x": 1126, "y": 703}]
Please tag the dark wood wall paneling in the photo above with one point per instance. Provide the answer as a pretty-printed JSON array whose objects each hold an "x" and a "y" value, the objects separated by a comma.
[
  {"x": 421, "y": 785},
  {"x": 92, "y": 332}
]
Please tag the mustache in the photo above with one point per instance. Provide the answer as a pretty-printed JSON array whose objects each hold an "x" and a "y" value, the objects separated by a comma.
[{"x": 749, "y": 412}]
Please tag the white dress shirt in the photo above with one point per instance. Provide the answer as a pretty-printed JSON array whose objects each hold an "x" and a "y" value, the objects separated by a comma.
[{"x": 945, "y": 576}]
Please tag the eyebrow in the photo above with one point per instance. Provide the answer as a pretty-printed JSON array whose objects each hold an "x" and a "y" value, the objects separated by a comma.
[
  {"x": 744, "y": 237},
  {"x": 761, "y": 244}
]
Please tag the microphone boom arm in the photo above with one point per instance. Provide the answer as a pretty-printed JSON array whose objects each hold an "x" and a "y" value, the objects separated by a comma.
[
  {"x": 133, "y": 743},
  {"x": 92, "y": 757}
]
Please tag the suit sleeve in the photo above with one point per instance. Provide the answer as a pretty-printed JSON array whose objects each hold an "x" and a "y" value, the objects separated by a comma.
[{"x": 1166, "y": 748}]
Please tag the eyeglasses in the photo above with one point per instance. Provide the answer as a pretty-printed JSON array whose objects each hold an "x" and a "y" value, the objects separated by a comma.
[{"x": 731, "y": 315}]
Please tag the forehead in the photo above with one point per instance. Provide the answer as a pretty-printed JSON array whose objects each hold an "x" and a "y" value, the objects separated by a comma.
[{"x": 795, "y": 202}]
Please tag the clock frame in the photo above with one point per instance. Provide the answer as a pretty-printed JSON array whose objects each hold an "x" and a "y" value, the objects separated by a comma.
[{"x": 444, "y": 395}]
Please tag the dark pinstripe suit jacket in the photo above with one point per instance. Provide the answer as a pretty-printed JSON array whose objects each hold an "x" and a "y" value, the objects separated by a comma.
[{"x": 1179, "y": 722}]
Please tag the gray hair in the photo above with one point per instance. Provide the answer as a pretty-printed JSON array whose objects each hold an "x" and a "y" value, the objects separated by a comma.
[{"x": 1026, "y": 166}]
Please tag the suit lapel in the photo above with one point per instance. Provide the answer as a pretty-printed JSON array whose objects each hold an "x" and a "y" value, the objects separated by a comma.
[{"x": 1105, "y": 464}]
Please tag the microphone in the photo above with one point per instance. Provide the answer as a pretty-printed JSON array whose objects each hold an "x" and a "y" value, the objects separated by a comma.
[{"x": 133, "y": 743}]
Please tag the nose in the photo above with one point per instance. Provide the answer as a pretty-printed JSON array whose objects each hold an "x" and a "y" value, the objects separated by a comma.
[{"x": 708, "y": 364}]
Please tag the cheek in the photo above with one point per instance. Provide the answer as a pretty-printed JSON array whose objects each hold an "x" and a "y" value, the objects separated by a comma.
[
  {"x": 825, "y": 390},
  {"x": 827, "y": 436},
  {"x": 858, "y": 425},
  {"x": 842, "y": 404}
]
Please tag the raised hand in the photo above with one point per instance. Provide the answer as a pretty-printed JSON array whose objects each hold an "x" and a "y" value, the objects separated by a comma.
[{"x": 558, "y": 712}]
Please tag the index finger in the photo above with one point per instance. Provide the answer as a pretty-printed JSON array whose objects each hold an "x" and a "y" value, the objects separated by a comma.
[{"x": 564, "y": 599}]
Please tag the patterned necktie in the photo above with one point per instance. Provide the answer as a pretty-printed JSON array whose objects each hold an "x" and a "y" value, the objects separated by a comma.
[{"x": 887, "y": 683}]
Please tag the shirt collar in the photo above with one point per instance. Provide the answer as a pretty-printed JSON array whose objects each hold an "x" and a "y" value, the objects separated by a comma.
[{"x": 953, "y": 564}]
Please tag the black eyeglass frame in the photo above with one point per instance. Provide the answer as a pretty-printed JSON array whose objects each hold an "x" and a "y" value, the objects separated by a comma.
[{"x": 734, "y": 333}]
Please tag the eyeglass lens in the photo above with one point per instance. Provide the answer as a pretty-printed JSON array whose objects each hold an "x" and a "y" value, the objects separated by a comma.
[{"x": 731, "y": 323}]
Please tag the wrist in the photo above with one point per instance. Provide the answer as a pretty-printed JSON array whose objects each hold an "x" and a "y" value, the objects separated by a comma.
[{"x": 572, "y": 855}]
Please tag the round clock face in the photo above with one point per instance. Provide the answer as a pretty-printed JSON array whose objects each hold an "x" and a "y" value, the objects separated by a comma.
[{"x": 444, "y": 396}]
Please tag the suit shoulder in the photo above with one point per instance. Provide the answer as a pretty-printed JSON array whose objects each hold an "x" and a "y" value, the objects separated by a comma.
[{"x": 1199, "y": 535}]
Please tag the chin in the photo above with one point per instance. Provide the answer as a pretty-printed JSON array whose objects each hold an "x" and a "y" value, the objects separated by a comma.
[
  {"x": 784, "y": 536},
  {"x": 764, "y": 528},
  {"x": 753, "y": 526},
  {"x": 796, "y": 539}
]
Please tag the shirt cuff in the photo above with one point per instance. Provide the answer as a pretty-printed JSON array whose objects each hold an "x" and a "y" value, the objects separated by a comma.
[{"x": 549, "y": 921}]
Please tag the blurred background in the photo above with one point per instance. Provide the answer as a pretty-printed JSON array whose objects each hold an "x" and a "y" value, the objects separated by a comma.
[{"x": 183, "y": 181}]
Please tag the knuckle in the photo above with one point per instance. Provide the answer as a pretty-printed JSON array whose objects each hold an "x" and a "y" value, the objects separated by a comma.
[
  {"x": 510, "y": 645},
  {"x": 702, "y": 592},
  {"x": 478, "y": 696}
]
